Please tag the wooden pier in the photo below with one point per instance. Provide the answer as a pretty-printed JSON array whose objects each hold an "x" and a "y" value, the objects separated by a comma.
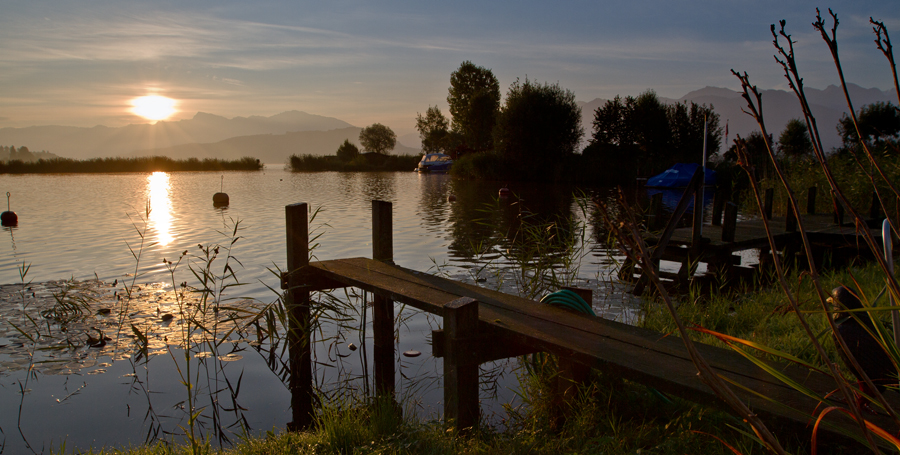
[
  {"x": 481, "y": 325},
  {"x": 720, "y": 244}
]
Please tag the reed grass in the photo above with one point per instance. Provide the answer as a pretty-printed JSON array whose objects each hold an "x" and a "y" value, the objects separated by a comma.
[{"x": 140, "y": 164}]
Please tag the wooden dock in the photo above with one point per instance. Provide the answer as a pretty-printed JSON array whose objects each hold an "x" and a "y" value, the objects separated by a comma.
[
  {"x": 720, "y": 244},
  {"x": 481, "y": 325}
]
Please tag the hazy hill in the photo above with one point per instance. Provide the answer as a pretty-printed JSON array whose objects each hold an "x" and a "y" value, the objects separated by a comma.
[
  {"x": 779, "y": 107},
  {"x": 270, "y": 148},
  {"x": 101, "y": 141}
]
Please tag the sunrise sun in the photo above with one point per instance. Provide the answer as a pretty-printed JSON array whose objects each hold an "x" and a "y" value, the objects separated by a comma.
[{"x": 153, "y": 107}]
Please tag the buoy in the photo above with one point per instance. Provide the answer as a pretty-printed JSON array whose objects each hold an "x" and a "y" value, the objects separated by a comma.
[
  {"x": 412, "y": 353},
  {"x": 451, "y": 198},
  {"x": 220, "y": 199},
  {"x": 505, "y": 192},
  {"x": 8, "y": 218}
]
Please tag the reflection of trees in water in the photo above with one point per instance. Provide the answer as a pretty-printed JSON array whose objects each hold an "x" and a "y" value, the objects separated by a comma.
[
  {"x": 535, "y": 224},
  {"x": 433, "y": 203},
  {"x": 379, "y": 185}
]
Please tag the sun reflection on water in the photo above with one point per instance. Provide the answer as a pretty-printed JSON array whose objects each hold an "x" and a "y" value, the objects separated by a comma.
[{"x": 160, "y": 207}]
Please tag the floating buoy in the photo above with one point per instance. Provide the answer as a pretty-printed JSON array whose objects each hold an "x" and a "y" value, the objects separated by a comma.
[
  {"x": 8, "y": 218},
  {"x": 451, "y": 198},
  {"x": 412, "y": 353},
  {"x": 220, "y": 199},
  {"x": 351, "y": 347},
  {"x": 505, "y": 192}
]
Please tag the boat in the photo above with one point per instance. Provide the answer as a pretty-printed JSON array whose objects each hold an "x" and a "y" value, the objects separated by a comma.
[
  {"x": 678, "y": 176},
  {"x": 435, "y": 162}
]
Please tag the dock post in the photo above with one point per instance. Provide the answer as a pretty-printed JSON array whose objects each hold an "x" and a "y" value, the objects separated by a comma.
[
  {"x": 728, "y": 228},
  {"x": 875, "y": 208},
  {"x": 811, "y": 201},
  {"x": 655, "y": 211},
  {"x": 461, "y": 363},
  {"x": 296, "y": 221},
  {"x": 719, "y": 200},
  {"x": 383, "y": 308},
  {"x": 767, "y": 204},
  {"x": 790, "y": 221},
  {"x": 571, "y": 374}
]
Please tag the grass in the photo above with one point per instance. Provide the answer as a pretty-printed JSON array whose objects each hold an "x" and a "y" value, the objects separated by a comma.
[
  {"x": 362, "y": 163},
  {"x": 143, "y": 164}
]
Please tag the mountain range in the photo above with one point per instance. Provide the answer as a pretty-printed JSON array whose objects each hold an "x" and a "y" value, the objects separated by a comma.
[{"x": 273, "y": 139}]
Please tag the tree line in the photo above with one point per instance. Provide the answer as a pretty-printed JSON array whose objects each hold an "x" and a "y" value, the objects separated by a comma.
[{"x": 10, "y": 153}]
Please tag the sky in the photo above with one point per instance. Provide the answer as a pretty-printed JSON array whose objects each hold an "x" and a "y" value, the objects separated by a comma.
[{"x": 80, "y": 62}]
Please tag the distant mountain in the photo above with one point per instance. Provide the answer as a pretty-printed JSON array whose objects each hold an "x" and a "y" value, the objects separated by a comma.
[
  {"x": 270, "y": 148},
  {"x": 779, "y": 106},
  {"x": 101, "y": 141}
]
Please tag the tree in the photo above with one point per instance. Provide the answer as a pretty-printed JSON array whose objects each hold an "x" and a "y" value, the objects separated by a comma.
[
  {"x": 686, "y": 124},
  {"x": 539, "y": 124},
  {"x": 474, "y": 99},
  {"x": 877, "y": 121},
  {"x": 347, "y": 151},
  {"x": 757, "y": 154},
  {"x": 378, "y": 138},
  {"x": 794, "y": 140},
  {"x": 433, "y": 129}
]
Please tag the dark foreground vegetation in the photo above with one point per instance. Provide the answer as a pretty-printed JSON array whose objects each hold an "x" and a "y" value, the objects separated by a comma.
[
  {"x": 358, "y": 163},
  {"x": 145, "y": 164}
]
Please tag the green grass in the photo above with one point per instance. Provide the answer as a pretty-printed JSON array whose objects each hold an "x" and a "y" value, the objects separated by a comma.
[{"x": 362, "y": 163}]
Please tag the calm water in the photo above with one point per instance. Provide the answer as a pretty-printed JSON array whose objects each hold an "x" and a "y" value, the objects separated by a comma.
[{"x": 86, "y": 226}]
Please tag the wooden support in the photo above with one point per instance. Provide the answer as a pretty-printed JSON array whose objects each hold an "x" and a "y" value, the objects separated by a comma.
[
  {"x": 790, "y": 221},
  {"x": 492, "y": 346},
  {"x": 811, "y": 201},
  {"x": 300, "y": 384},
  {"x": 697, "y": 232},
  {"x": 719, "y": 200},
  {"x": 875, "y": 208},
  {"x": 656, "y": 206},
  {"x": 572, "y": 375},
  {"x": 728, "y": 227},
  {"x": 838, "y": 212},
  {"x": 383, "y": 308},
  {"x": 460, "y": 363},
  {"x": 767, "y": 205}
]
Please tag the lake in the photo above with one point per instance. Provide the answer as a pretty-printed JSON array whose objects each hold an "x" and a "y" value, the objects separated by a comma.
[{"x": 124, "y": 228}]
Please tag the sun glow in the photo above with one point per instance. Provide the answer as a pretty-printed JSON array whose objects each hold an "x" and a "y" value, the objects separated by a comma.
[{"x": 153, "y": 107}]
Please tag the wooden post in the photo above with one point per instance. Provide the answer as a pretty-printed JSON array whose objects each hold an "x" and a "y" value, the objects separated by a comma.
[
  {"x": 296, "y": 221},
  {"x": 767, "y": 207},
  {"x": 875, "y": 208},
  {"x": 572, "y": 375},
  {"x": 719, "y": 200},
  {"x": 655, "y": 211},
  {"x": 697, "y": 231},
  {"x": 811, "y": 201},
  {"x": 461, "y": 363},
  {"x": 728, "y": 228},
  {"x": 838, "y": 213},
  {"x": 383, "y": 308},
  {"x": 790, "y": 221}
]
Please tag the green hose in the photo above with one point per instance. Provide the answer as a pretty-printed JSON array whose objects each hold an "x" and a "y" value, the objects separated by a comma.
[{"x": 565, "y": 298}]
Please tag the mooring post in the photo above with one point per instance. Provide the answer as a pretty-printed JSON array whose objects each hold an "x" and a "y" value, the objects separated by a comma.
[
  {"x": 719, "y": 199},
  {"x": 296, "y": 220},
  {"x": 767, "y": 204},
  {"x": 383, "y": 308},
  {"x": 811, "y": 201},
  {"x": 730, "y": 224},
  {"x": 571, "y": 374},
  {"x": 655, "y": 211},
  {"x": 461, "y": 363},
  {"x": 875, "y": 208}
]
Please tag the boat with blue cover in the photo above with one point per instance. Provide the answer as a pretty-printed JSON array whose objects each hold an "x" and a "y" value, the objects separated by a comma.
[
  {"x": 678, "y": 176},
  {"x": 435, "y": 162}
]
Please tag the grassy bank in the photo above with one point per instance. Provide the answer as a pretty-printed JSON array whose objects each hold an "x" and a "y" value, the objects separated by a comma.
[
  {"x": 361, "y": 163},
  {"x": 142, "y": 164}
]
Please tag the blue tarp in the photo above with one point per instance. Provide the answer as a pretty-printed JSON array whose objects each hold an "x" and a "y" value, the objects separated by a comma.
[{"x": 678, "y": 176}]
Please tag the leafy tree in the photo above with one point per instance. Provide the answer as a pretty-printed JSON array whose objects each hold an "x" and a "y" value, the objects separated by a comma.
[
  {"x": 757, "y": 154},
  {"x": 474, "y": 99},
  {"x": 686, "y": 123},
  {"x": 378, "y": 138},
  {"x": 539, "y": 124},
  {"x": 433, "y": 129},
  {"x": 877, "y": 121},
  {"x": 347, "y": 151},
  {"x": 794, "y": 140}
]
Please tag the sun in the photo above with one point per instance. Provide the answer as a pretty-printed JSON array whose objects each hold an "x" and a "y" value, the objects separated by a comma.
[{"x": 153, "y": 107}]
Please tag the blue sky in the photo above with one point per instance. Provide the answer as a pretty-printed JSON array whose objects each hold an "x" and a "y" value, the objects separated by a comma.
[{"x": 80, "y": 62}]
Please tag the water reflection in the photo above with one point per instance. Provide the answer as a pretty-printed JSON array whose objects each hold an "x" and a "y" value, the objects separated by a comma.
[{"x": 160, "y": 217}]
